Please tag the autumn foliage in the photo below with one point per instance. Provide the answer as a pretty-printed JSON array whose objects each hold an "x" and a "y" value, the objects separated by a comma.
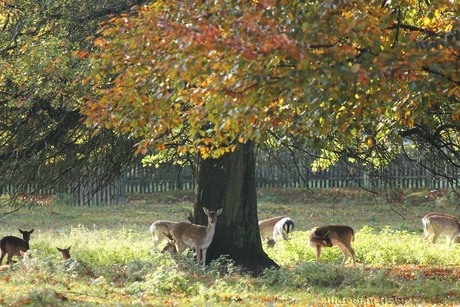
[{"x": 203, "y": 75}]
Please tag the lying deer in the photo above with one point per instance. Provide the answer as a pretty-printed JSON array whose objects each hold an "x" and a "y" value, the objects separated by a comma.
[
  {"x": 13, "y": 245},
  {"x": 436, "y": 224},
  {"x": 333, "y": 235},
  {"x": 267, "y": 226},
  {"x": 65, "y": 252},
  {"x": 196, "y": 236}
]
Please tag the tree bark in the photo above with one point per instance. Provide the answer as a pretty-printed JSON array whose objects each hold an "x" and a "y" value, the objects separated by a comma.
[{"x": 229, "y": 182}]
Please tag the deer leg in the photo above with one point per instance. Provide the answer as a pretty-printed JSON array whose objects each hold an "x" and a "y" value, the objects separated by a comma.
[
  {"x": 204, "y": 255},
  {"x": 435, "y": 237},
  {"x": 318, "y": 252},
  {"x": 198, "y": 254},
  {"x": 9, "y": 260},
  {"x": 2, "y": 253},
  {"x": 353, "y": 255},
  {"x": 344, "y": 251}
]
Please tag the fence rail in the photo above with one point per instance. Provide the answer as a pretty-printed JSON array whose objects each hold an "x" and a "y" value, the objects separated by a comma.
[{"x": 140, "y": 180}]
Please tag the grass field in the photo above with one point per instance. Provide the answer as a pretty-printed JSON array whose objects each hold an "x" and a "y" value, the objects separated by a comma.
[{"x": 112, "y": 262}]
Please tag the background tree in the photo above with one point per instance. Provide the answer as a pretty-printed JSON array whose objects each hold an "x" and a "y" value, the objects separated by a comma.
[
  {"x": 42, "y": 136},
  {"x": 215, "y": 77}
]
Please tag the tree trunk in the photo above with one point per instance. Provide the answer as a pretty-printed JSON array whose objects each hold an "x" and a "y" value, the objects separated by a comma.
[{"x": 229, "y": 182}]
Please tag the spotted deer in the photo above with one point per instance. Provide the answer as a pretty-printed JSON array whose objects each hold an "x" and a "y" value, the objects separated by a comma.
[
  {"x": 333, "y": 235},
  {"x": 196, "y": 236},
  {"x": 65, "y": 252},
  {"x": 13, "y": 246},
  {"x": 267, "y": 226},
  {"x": 437, "y": 224}
]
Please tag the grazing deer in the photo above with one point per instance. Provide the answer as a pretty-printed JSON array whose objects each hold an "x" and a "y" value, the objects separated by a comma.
[
  {"x": 196, "y": 236},
  {"x": 170, "y": 247},
  {"x": 282, "y": 228},
  {"x": 436, "y": 224},
  {"x": 267, "y": 226},
  {"x": 65, "y": 252},
  {"x": 161, "y": 231},
  {"x": 333, "y": 235},
  {"x": 13, "y": 245}
]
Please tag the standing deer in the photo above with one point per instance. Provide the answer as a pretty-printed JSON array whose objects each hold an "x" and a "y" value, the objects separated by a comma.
[
  {"x": 267, "y": 226},
  {"x": 13, "y": 245},
  {"x": 333, "y": 235},
  {"x": 65, "y": 252},
  {"x": 196, "y": 236},
  {"x": 436, "y": 224},
  {"x": 282, "y": 228}
]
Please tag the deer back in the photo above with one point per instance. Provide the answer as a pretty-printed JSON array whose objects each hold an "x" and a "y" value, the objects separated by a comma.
[{"x": 441, "y": 224}]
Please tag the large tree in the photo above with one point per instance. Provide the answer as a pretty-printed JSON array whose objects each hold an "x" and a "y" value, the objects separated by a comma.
[{"x": 213, "y": 78}]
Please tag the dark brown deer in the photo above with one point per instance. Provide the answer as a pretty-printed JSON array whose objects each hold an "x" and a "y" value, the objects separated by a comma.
[
  {"x": 333, "y": 235},
  {"x": 13, "y": 246},
  {"x": 65, "y": 252}
]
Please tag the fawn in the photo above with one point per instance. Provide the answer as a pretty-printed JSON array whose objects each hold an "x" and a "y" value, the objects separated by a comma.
[
  {"x": 333, "y": 235},
  {"x": 65, "y": 252},
  {"x": 13, "y": 245}
]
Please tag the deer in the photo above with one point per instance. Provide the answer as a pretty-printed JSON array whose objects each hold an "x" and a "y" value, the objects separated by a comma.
[
  {"x": 65, "y": 252},
  {"x": 13, "y": 246},
  {"x": 436, "y": 224},
  {"x": 196, "y": 236},
  {"x": 170, "y": 247},
  {"x": 333, "y": 235},
  {"x": 161, "y": 231},
  {"x": 267, "y": 226},
  {"x": 282, "y": 228}
]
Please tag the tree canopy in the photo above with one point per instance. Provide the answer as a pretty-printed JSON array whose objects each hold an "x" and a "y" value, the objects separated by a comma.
[
  {"x": 357, "y": 77},
  {"x": 42, "y": 135}
]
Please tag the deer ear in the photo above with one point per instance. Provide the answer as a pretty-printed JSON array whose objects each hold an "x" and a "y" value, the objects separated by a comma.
[
  {"x": 206, "y": 210},
  {"x": 220, "y": 211},
  {"x": 32, "y": 230}
]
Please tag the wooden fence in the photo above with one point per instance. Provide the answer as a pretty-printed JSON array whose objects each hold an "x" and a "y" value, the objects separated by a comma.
[{"x": 282, "y": 173}]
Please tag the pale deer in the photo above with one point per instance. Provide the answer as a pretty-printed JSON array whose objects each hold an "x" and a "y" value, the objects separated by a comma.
[
  {"x": 266, "y": 227},
  {"x": 13, "y": 245},
  {"x": 333, "y": 235},
  {"x": 65, "y": 252},
  {"x": 196, "y": 236},
  {"x": 161, "y": 231},
  {"x": 437, "y": 224},
  {"x": 282, "y": 228}
]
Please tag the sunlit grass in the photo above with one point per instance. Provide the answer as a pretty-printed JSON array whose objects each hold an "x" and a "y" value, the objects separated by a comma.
[{"x": 112, "y": 259}]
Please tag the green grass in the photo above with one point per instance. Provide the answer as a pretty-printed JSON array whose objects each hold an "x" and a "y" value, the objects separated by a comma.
[{"x": 112, "y": 262}]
